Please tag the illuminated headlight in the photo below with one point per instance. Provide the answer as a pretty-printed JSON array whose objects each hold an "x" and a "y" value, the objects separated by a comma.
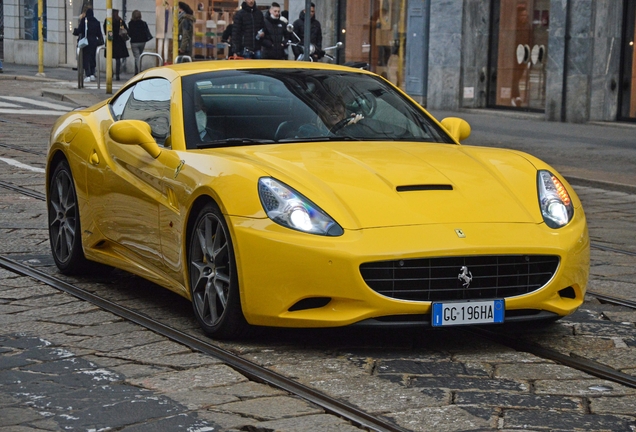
[
  {"x": 555, "y": 202},
  {"x": 287, "y": 207}
]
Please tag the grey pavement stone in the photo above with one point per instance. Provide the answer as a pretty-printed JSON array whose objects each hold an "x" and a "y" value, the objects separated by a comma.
[
  {"x": 564, "y": 421},
  {"x": 309, "y": 423},
  {"x": 96, "y": 319},
  {"x": 179, "y": 422},
  {"x": 614, "y": 405},
  {"x": 187, "y": 360},
  {"x": 271, "y": 408},
  {"x": 536, "y": 371},
  {"x": 588, "y": 388},
  {"x": 524, "y": 401},
  {"x": 617, "y": 358},
  {"x": 249, "y": 390},
  {"x": 28, "y": 326},
  {"x": 151, "y": 353},
  {"x": 198, "y": 399},
  {"x": 133, "y": 370},
  {"x": 96, "y": 327},
  {"x": 186, "y": 380},
  {"x": 119, "y": 342},
  {"x": 11, "y": 416},
  {"x": 442, "y": 419},
  {"x": 469, "y": 383}
]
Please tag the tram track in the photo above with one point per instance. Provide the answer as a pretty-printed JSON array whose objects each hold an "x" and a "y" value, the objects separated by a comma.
[{"x": 249, "y": 369}]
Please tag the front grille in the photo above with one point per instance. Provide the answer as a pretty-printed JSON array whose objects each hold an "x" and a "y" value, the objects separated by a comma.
[{"x": 438, "y": 279}]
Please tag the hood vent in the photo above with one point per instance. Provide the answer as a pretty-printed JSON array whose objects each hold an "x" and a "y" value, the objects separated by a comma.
[{"x": 425, "y": 187}]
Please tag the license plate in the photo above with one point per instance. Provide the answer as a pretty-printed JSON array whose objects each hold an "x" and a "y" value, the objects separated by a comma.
[{"x": 468, "y": 312}]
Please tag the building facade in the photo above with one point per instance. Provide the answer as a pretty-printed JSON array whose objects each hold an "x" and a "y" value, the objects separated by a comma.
[{"x": 569, "y": 59}]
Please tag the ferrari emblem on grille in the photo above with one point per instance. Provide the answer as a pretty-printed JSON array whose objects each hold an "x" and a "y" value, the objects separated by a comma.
[{"x": 465, "y": 276}]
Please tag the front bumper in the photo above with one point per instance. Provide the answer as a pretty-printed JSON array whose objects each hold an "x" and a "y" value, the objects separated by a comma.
[{"x": 278, "y": 268}]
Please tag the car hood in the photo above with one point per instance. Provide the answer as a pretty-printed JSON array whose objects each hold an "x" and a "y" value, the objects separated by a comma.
[{"x": 379, "y": 184}]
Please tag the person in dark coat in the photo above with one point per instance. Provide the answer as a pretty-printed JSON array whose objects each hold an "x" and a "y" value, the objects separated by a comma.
[
  {"x": 276, "y": 36},
  {"x": 247, "y": 30},
  {"x": 119, "y": 45},
  {"x": 186, "y": 29},
  {"x": 139, "y": 34},
  {"x": 89, "y": 26},
  {"x": 315, "y": 33}
]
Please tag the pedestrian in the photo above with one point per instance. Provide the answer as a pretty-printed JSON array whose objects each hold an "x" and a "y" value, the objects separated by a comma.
[
  {"x": 139, "y": 34},
  {"x": 226, "y": 38},
  {"x": 276, "y": 36},
  {"x": 248, "y": 30},
  {"x": 315, "y": 33},
  {"x": 89, "y": 28},
  {"x": 186, "y": 29},
  {"x": 120, "y": 36}
]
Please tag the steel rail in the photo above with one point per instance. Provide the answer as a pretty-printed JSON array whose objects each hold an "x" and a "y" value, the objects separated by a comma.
[
  {"x": 12, "y": 147},
  {"x": 22, "y": 190},
  {"x": 245, "y": 367},
  {"x": 612, "y": 249},
  {"x": 575, "y": 361},
  {"x": 613, "y": 300}
]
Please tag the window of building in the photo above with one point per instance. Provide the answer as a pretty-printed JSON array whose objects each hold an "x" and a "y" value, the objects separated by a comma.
[
  {"x": 29, "y": 29},
  {"x": 519, "y": 53}
]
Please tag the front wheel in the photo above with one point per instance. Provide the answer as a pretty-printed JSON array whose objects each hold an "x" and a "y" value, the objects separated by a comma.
[
  {"x": 213, "y": 278},
  {"x": 64, "y": 223}
]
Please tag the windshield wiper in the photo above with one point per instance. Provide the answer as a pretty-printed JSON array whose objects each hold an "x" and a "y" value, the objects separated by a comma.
[
  {"x": 232, "y": 142},
  {"x": 319, "y": 139}
]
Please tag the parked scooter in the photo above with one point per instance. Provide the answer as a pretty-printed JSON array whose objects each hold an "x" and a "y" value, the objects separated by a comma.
[{"x": 315, "y": 54}]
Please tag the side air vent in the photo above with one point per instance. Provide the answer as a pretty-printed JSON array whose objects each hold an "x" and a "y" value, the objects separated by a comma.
[
  {"x": 310, "y": 303},
  {"x": 430, "y": 187}
]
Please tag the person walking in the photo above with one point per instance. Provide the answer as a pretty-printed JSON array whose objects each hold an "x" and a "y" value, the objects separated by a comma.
[
  {"x": 247, "y": 31},
  {"x": 274, "y": 41},
  {"x": 139, "y": 34},
  {"x": 89, "y": 28},
  {"x": 315, "y": 33},
  {"x": 120, "y": 36},
  {"x": 186, "y": 29}
]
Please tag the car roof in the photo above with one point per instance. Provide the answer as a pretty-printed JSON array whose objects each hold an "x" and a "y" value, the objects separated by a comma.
[{"x": 190, "y": 68}]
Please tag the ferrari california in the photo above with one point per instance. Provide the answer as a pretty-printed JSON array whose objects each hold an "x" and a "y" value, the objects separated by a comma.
[{"x": 293, "y": 194}]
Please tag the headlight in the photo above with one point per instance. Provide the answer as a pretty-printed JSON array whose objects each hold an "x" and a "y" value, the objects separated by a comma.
[
  {"x": 555, "y": 202},
  {"x": 287, "y": 207}
]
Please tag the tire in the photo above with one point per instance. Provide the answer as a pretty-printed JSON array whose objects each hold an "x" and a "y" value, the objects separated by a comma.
[
  {"x": 65, "y": 233},
  {"x": 213, "y": 276}
]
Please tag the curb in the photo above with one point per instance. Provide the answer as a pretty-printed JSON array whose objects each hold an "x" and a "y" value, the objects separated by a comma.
[{"x": 617, "y": 187}]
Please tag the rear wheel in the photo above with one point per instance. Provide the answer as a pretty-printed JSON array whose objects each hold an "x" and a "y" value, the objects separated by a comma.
[
  {"x": 64, "y": 223},
  {"x": 213, "y": 278}
]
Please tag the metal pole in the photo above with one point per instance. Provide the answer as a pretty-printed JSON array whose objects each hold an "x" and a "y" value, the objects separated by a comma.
[
  {"x": 175, "y": 31},
  {"x": 427, "y": 30},
  {"x": 40, "y": 38},
  {"x": 109, "y": 46},
  {"x": 307, "y": 34}
]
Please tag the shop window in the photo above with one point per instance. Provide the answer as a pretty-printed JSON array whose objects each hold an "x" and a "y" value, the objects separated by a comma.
[{"x": 521, "y": 52}]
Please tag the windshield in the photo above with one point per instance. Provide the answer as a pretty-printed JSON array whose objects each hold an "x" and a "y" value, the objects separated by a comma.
[{"x": 299, "y": 105}]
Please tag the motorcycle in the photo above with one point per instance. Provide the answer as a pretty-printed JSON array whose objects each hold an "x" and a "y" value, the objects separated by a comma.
[{"x": 315, "y": 54}]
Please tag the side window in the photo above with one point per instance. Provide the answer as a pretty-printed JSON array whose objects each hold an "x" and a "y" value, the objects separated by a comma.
[{"x": 148, "y": 100}]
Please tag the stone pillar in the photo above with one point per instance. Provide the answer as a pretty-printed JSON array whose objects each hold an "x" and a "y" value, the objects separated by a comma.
[
  {"x": 606, "y": 67},
  {"x": 445, "y": 55},
  {"x": 475, "y": 48}
]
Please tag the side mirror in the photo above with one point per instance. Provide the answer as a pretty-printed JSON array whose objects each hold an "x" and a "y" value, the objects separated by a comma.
[
  {"x": 339, "y": 45},
  {"x": 134, "y": 132},
  {"x": 458, "y": 128},
  {"x": 290, "y": 28}
]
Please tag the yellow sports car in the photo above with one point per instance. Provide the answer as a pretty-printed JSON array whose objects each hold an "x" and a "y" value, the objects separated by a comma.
[{"x": 310, "y": 195}]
